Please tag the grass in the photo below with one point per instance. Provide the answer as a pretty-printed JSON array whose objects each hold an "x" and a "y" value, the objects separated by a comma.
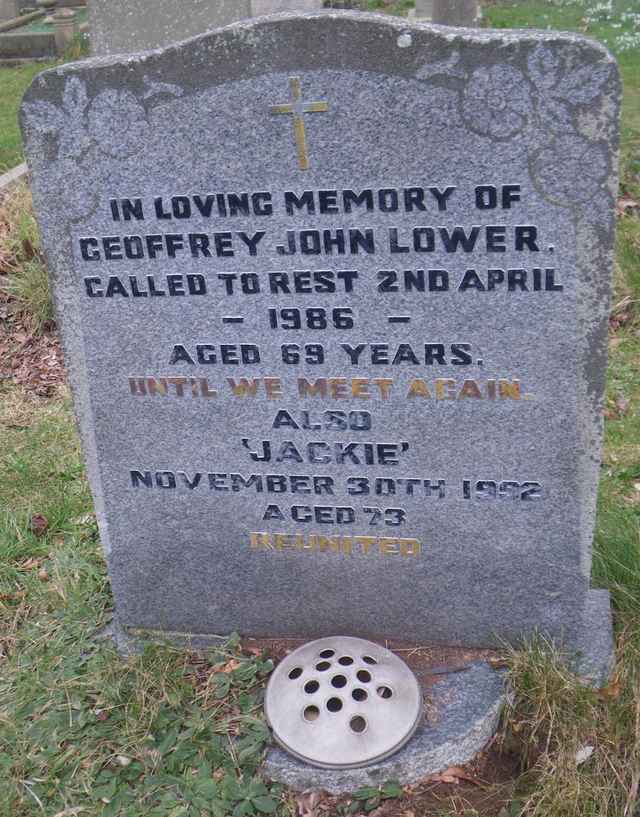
[
  {"x": 553, "y": 716},
  {"x": 14, "y": 82},
  {"x": 171, "y": 734},
  {"x": 23, "y": 274}
]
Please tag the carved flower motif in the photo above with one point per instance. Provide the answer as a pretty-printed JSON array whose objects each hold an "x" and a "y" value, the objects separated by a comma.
[
  {"x": 571, "y": 170},
  {"x": 117, "y": 122},
  {"x": 496, "y": 102}
]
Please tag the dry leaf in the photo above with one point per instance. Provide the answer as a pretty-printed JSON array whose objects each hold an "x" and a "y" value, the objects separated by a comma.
[
  {"x": 454, "y": 774},
  {"x": 498, "y": 663},
  {"x": 622, "y": 205},
  {"x": 622, "y": 404},
  {"x": 102, "y": 714},
  {"x": 230, "y": 666},
  {"x": 123, "y": 760},
  {"x": 583, "y": 754},
  {"x": 43, "y": 575},
  {"x": 38, "y": 524},
  {"x": 85, "y": 519},
  {"x": 612, "y": 690},
  {"x": 308, "y": 801}
]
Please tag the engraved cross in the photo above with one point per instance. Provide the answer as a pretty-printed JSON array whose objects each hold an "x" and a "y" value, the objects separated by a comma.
[{"x": 298, "y": 108}]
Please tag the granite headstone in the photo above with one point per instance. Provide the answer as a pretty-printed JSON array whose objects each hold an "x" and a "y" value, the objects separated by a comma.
[{"x": 333, "y": 293}]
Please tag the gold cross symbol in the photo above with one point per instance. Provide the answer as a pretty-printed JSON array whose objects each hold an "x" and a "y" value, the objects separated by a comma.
[{"x": 298, "y": 108}]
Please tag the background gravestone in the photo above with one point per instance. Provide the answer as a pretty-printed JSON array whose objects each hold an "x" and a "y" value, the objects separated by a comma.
[
  {"x": 260, "y": 7},
  {"x": 122, "y": 26},
  {"x": 424, "y": 9},
  {"x": 334, "y": 298},
  {"x": 8, "y": 10},
  {"x": 455, "y": 12}
]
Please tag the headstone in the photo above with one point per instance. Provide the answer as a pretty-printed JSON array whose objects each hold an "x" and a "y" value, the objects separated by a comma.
[
  {"x": 334, "y": 298},
  {"x": 424, "y": 9},
  {"x": 64, "y": 28},
  {"x": 8, "y": 10},
  {"x": 454, "y": 12},
  {"x": 261, "y": 7},
  {"x": 120, "y": 26}
]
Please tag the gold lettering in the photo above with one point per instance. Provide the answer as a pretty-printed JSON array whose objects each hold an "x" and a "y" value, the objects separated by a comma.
[
  {"x": 419, "y": 388},
  {"x": 389, "y": 547},
  {"x": 410, "y": 547},
  {"x": 260, "y": 540},
  {"x": 445, "y": 389},
  {"x": 273, "y": 387},
  {"x": 384, "y": 384},
  {"x": 360, "y": 387},
  {"x": 367, "y": 542},
  {"x": 509, "y": 389},
  {"x": 320, "y": 543},
  {"x": 338, "y": 387},
  {"x": 308, "y": 389},
  {"x": 244, "y": 387},
  {"x": 205, "y": 390},
  {"x": 470, "y": 389},
  {"x": 325, "y": 543},
  {"x": 157, "y": 386}
]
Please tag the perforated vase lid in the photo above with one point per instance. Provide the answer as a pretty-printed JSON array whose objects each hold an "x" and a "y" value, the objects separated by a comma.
[{"x": 343, "y": 702}]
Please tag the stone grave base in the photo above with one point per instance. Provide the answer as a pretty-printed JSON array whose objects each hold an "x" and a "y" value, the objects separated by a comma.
[
  {"x": 462, "y": 713},
  {"x": 588, "y": 648}
]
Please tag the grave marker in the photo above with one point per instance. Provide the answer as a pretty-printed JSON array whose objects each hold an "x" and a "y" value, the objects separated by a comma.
[
  {"x": 455, "y": 12},
  {"x": 334, "y": 298}
]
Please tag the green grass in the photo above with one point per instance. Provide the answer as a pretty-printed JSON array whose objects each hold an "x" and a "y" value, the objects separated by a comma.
[
  {"x": 23, "y": 273},
  {"x": 84, "y": 734},
  {"x": 14, "y": 82},
  {"x": 78, "y": 727}
]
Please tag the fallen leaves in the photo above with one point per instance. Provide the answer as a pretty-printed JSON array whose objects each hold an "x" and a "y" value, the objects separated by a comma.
[
  {"x": 583, "y": 754},
  {"x": 621, "y": 313},
  {"x": 308, "y": 802},
  {"x": 32, "y": 361},
  {"x": 232, "y": 664},
  {"x": 612, "y": 690},
  {"x": 626, "y": 206},
  {"x": 453, "y": 775},
  {"x": 617, "y": 407}
]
